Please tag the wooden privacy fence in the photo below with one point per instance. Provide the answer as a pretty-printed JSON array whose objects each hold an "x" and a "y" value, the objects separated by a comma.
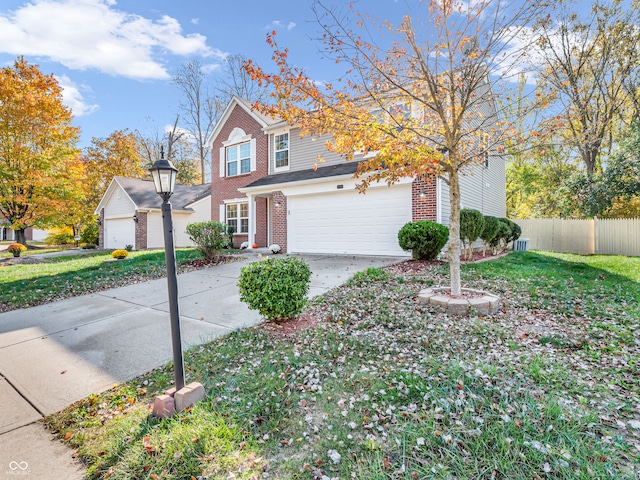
[{"x": 614, "y": 236}]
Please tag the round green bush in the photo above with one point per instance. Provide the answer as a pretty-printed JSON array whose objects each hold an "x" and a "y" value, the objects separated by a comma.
[
  {"x": 424, "y": 238},
  {"x": 515, "y": 230},
  {"x": 276, "y": 287},
  {"x": 502, "y": 235},
  {"x": 471, "y": 224},
  {"x": 490, "y": 229}
]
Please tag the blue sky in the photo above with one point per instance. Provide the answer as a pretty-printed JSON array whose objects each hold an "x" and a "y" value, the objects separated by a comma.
[{"x": 115, "y": 58}]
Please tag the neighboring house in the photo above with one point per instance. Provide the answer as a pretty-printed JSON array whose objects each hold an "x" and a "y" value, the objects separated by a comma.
[
  {"x": 265, "y": 185},
  {"x": 7, "y": 233},
  {"x": 130, "y": 213}
]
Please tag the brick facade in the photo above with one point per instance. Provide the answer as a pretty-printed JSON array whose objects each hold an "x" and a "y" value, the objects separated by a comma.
[
  {"x": 424, "y": 195},
  {"x": 101, "y": 228},
  {"x": 279, "y": 220},
  {"x": 226, "y": 188},
  {"x": 141, "y": 231}
]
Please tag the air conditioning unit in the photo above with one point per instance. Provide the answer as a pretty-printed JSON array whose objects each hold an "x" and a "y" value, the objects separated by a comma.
[{"x": 521, "y": 245}]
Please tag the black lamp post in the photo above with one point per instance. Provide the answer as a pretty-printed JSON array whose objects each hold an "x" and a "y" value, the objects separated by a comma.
[{"x": 164, "y": 179}]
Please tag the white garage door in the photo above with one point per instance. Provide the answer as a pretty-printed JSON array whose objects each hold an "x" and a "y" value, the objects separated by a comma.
[
  {"x": 349, "y": 222},
  {"x": 119, "y": 232}
]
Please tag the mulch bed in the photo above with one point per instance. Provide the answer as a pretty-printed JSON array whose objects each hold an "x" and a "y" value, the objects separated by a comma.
[{"x": 288, "y": 327}]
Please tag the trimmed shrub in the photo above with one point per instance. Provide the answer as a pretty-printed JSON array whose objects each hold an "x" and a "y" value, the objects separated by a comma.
[
  {"x": 489, "y": 231},
  {"x": 471, "y": 226},
  {"x": 499, "y": 242},
  {"x": 276, "y": 287},
  {"x": 210, "y": 238},
  {"x": 89, "y": 246},
  {"x": 119, "y": 254},
  {"x": 515, "y": 232},
  {"x": 59, "y": 238},
  {"x": 424, "y": 238},
  {"x": 90, "y": 233}
]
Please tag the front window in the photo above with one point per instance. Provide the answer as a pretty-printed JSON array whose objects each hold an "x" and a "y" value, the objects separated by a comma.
[
  {"x": 238, "y": 217},
  {"x": 281, "y": 150},
  {"x": 238, "y": 159}
]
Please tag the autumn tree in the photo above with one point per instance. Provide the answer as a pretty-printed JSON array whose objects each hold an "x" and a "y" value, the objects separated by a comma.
[
  {"x": 421, "y": 105},
  {"x": 590, "y": 65},
  {"x": 178, "y": 147},
  {"x": 37, "y": 144},
  {"x": 116, "y": 155}
]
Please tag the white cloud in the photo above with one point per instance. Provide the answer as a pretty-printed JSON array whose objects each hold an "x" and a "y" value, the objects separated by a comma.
[
  {"x": 73, "y": 98},
  {"x": 276, "y": 24},
  {"x": 92, "y": 34}
]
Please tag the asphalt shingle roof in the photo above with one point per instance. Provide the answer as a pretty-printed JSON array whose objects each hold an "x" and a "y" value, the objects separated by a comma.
[
  {"x": 144, "y": 195},
  {"x": 346, "y": 168}
]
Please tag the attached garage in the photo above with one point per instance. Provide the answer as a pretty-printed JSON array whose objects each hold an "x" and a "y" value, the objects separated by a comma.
[
  {"x": 349, "y": 222},
  {"x": 119, "y": 232}
]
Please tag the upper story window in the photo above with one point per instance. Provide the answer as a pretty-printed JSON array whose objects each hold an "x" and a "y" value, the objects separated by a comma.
[
  {"x": 238, "y": 159},
  {"x": 281, "y": 150},
  {"x": 238, "y": 154}
]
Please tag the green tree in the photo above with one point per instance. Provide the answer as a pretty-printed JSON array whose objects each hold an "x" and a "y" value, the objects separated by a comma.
[{"x": 37, "y": 145}]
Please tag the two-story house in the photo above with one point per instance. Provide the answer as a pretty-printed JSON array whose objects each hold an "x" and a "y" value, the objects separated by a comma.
[{"x": 265, "y": 186}]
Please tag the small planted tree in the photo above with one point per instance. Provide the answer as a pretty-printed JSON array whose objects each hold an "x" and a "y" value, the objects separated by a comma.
[
  {"x": 499, "y": 242},
  {"x": 490, "y": 230},
  {"x": 471, "y": 227},
  {"x": 424, "y": 238},
  {"x": 514, "y": 231},
  {"x": 210, "y": 238},
  {"x": 276, "y": 287}
]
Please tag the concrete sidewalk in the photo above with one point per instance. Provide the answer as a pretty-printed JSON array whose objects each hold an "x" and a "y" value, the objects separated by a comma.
[{"x": 55, "y": 354}]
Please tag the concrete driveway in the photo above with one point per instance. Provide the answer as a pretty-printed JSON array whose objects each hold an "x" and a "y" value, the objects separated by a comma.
[{"x": 55, "y": 354}]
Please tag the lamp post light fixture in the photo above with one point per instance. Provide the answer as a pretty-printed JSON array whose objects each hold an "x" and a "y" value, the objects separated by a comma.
[{"x": 164, "y": 179}]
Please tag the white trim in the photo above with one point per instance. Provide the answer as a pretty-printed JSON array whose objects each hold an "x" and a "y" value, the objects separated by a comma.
[
  {"x": 237, "y": 200},
  {"x": 251, "y": 233},
  {"x": 236, "y": 136},
  {"x": 315, "y": 185},
  {"x": 222, "y": 213},
  {"x": 225, "y": 117},
  {"x": 252, "y": 155},
  {"x": 286, "y": 168},
  {"x": 439, "y": 200}
]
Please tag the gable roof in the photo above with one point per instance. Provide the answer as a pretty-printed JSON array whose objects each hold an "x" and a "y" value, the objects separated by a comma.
[
  {"x": 143, "y": 194},
  {"x": 263, "y": 120}
]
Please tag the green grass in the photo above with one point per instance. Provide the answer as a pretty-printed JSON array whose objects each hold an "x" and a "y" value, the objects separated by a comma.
[
  {"x": 29, "y": 284},
  {"x": 400, "y": 391}
]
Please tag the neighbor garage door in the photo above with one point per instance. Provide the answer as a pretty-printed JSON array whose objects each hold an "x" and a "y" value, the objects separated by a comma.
[
  {"x": 349, "y": 222},
  {"x": 119, "y": 232}
]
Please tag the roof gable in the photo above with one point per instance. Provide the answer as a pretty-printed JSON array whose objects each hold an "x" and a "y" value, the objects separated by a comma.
[
  {"x": 143, "y": 194},
  {"x": 263, "y": 120}
]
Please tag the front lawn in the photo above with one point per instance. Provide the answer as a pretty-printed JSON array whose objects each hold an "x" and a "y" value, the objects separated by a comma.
[
  {"x": 29, "y": 284},
  {"x": 383, "y": 387}
]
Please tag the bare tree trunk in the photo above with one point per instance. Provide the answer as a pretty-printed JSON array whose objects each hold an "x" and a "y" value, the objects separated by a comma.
[
  {"x": 454, "y": 233},
  {"x": 21, "y": 236}
]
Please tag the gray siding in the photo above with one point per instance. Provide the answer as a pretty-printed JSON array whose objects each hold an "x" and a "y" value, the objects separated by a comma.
[{"x": 304, "y": 152}]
